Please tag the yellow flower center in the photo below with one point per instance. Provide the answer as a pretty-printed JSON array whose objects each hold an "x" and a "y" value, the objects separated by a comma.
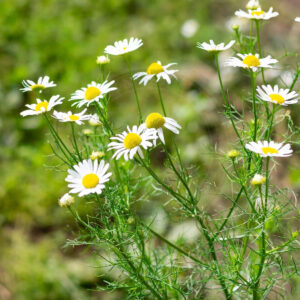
[
  {"x": 91, "y": 93},
  {"x": 269, "y": 150},
  {"x": 154, "y": 69},
  {"x": 74, "y": 118},
  {"x": 41, "y": 105},
  {"x": 257, "y": 13},
  {"x": 124, "y": 48},
  {"x": 155, "y": 120},
  {"x": 90, "y": 181},
  {"x": 251, "y": 61},
  {"x": 278, "y": 98},
  {"x": 132, "y": 140},
  {"x": 37, "y": 87}
]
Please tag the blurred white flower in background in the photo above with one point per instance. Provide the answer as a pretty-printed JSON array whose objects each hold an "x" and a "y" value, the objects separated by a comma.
[{"x": 189, "y": 28}]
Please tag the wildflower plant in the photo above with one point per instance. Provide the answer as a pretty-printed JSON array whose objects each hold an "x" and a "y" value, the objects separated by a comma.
[{"x": 239, "y": 254}]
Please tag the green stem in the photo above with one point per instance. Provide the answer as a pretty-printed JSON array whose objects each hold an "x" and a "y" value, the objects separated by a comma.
[
  {"x": 253, "y": 84},
  {"x": 134, "y": 89},
  {"x": 75, "y": 142},
  {"x": 259, "y": 47},
  {"x": 295, "y": 80}
]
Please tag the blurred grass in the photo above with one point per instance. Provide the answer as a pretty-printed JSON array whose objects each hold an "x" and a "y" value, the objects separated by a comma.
[{"x": 62, "y": 39}]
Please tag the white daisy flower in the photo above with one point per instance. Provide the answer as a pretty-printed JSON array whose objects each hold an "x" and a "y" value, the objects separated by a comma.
[
  {"x": 157, "y": 122},
  {"x": 88, "y": 177},
  {"x": 132, "y": 141},
  {"x": 92, "y": 93},
  {"x": 66, "y": 200},
  {"x": 156, "y": 70},
  {"x": 297, "y": 19},
  {"x": 212, "y": 47},
  {"x": 271, "y": 148},
  {"x": 102, "y": 60},
  {"x": 41, "y": 84},
  {"x": 70, "y": 117},
  {"x": 41, "y": 106},
  {"x": 257, "y": 14},
  {"x": 250, "y": 61},
  {"x": 253, "y": 5},
  {"x": 125, "y": 46},
  {"x": 276, "y": 95},
  {"x": 258, "y": 179}
]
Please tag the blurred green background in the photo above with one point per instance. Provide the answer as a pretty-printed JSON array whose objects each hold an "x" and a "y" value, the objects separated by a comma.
[{"x": 62, "y": 39}]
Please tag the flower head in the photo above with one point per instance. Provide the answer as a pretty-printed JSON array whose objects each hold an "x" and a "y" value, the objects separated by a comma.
[
  {"x": 41, "y": 84},
  {"x": 232, "y": 153},
  {"x": 157, "y": 122},
  {"x": 66, "y": 200},
  {"x": 158, "y": 71},
  {"x": 132, "y": 141},
  {"x": 92, "y": 93},
  {"x": 94, "y": 120},
  {"x": 212, "y": 47},
  {"x": 87, "y": 131},
  {"x": 250, "y": 61},
  {"x": 96, "y": 155},
  {"x": 253, "y": 5},
  {"x": 102, "y": 60},
  {"x": 88, "y": 177},
  {"x": 265, "y": 149},
  {"x": 258, "y": 179},
  {"x": 257, "y": 14},
  {"x": 71, "y": 117},
  {"x": 41, "y": 107},
  {"x": 125, "y": 46},
  {"x": 276, "y": 95}
]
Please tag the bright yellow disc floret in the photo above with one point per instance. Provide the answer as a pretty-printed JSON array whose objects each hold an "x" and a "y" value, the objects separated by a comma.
[
  {"x": 91, "y": 93},
  {"x": 154, "y": 69},
  {"x": 132, "y": 140},
  {"x": 90, "y": 181},
  {"x": 155, "y": 120}
]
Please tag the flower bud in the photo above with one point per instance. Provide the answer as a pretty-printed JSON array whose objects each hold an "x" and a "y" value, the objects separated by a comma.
[
  {"x": 253, "y": 5},
  {"x": 96, "y": 155},
  {"x": 102, "y": 60},
  {"x": 232, "y": 153},
  {"x": 94, "y": 120},
  {"x": 258, "y": 179},
  {"x": 66, "y": 200},
  {"x": 295, "y": 234},
  {"x": 87, "y": 132},
  {"x": 235, "y": 26}
]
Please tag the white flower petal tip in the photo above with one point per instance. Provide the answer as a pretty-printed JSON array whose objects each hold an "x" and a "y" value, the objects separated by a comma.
[
  {"x": 270, "y": 149},
  {"x": 132, "y": 141},
  {"x": 251, "y": 61},
  {"x": 88, "y": 177},
  {"x": 41, "y": 107},
  {"x": 102, "y": 60},
  {"x": 158, "y": 71},
  {"x": 123, "y": 47},
  {"x": 71, "y": 117},
  {"x": 93, "y": 93},
  {"x": 297, "y": 19},
  {"x": 157, "y": 121},
  {"x": 212, "y": 47},
  {"x": 278, "y": 96},
  {"x": 257, "y": 14},
  {"x": 41, "y": 84}
]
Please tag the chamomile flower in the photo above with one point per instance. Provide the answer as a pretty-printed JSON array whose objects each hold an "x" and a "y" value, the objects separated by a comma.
[
  {"x": 132, "y": 141},
  {"x": 265, "y": 148},
  {"x": 41, "y": 107},
  {"x": 297, "y": 19},
  {"x": 125, "y": 46},
  {"x": 66, "y": 200},
  {"x": 92, "y": 93},
  {"x": 212, "y": 47},
  {"x": 102, "y": 60},
  {"x": 96, "y": 155},
  {"x": 88, "y": 177},
  {"x": 257, "y": 14},
  {"x": 157, "y": 122},
  {"x": 71, "y": 117},
  {"x": 276, "y": 95},
  {"x": 157, "y": 70},
  {"x": 250, "y": 61},
  {"x": 41, "y": 84},
  {"x": 258, "y": 179}
]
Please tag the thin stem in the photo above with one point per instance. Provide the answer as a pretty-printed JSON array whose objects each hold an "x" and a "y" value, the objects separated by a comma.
[
  {"x": 135, "y": 91},
  {"x": 253, "y": 84},
  {"x": 227, "y": 105},
  {"x": 259, "y": 47},
  {"x": 161, "y": 99},
  {"x": 295, "y": 80},
  {"x": 75, "y": 142}
]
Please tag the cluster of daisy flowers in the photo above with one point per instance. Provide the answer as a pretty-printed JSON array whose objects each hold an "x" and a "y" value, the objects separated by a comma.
[{"x": 90, "y": 175}]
